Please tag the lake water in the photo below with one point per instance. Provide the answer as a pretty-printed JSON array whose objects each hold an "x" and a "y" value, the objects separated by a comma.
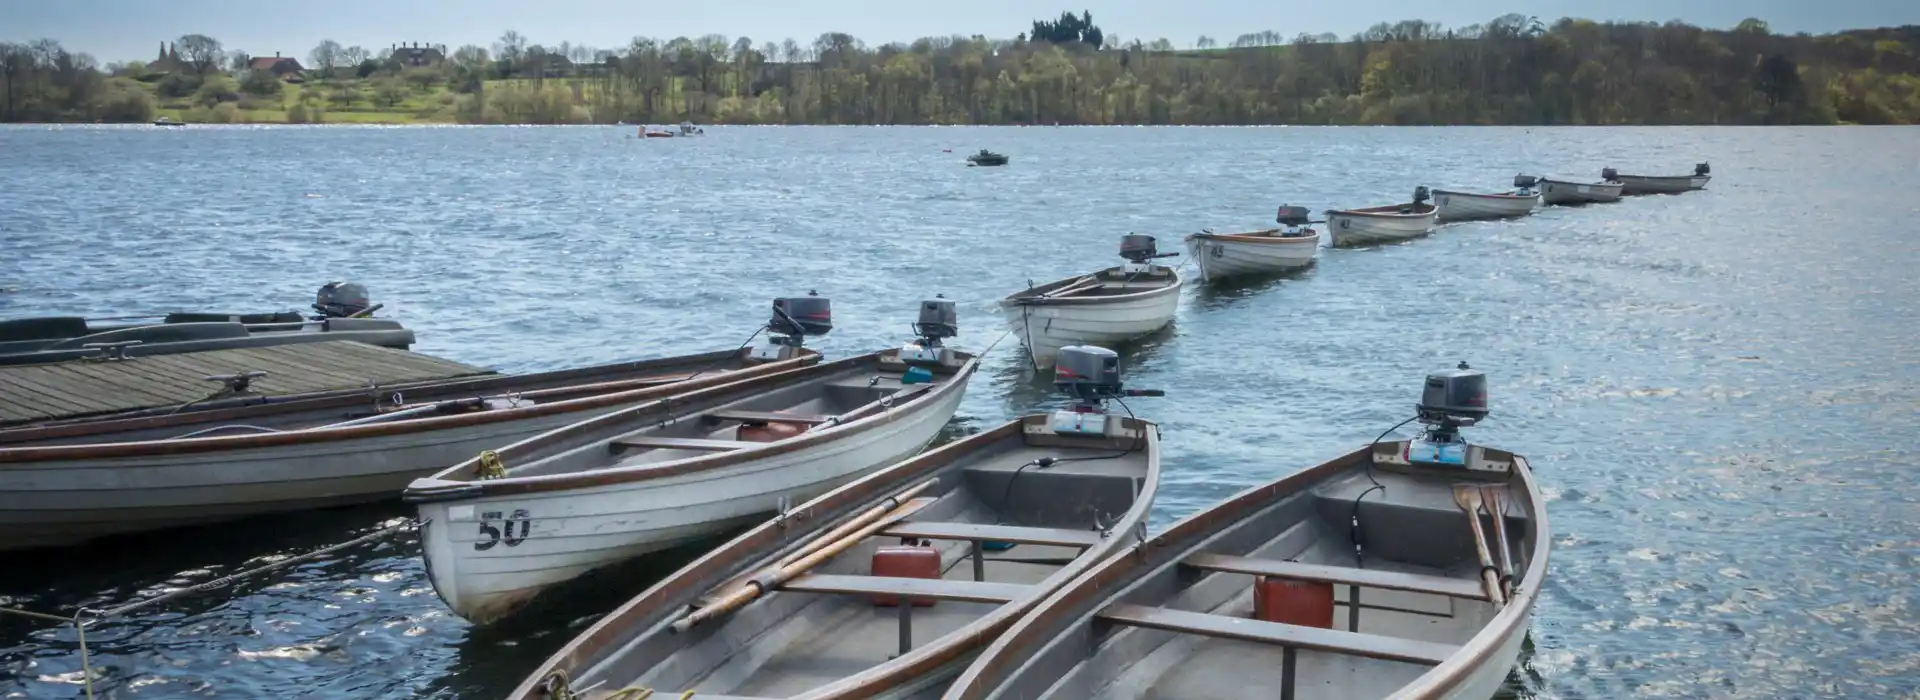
[{"x": 1720, "y": 390}]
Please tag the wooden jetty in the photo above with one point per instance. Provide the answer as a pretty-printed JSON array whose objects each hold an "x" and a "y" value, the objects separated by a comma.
[{"x": 93, "y": 387}]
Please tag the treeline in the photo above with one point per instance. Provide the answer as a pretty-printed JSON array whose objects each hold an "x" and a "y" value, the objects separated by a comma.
[{"x": 1512, "y": 70}]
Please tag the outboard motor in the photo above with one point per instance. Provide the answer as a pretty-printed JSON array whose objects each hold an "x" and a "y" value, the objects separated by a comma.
[
  {"x": 1138, "y": 248},
  {"x": 1609, "y": 175},
  {"x": 1421, "y": 194},
  {"x": 1091, "y": 375},
  {"x": 938, "y": 320},
  {"x": 1295, "y": 219},
  {"x": 1451, "y": 399},
  {"x": 1701, "y": 170},
  {"x": 795, "y": 318},
  {"x": 1523, "y": 183},
  {"x": 340, "y": 299}
]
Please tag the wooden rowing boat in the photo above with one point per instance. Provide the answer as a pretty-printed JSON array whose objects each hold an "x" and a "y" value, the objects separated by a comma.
[
  {"x": 503, "y": 526},
  {"x": 66, "y": 484},
  {"x": 1108, "y": 307},
  {"x": 998, "y": 520},
  {"x": 1243, "y": 595}
]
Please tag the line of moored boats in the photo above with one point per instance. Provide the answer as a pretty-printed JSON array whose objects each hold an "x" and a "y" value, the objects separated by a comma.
[{"x": 1013, "y": 562}]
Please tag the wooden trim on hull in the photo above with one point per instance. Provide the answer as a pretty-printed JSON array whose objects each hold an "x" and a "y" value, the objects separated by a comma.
[{"x": 154, "y": 448}]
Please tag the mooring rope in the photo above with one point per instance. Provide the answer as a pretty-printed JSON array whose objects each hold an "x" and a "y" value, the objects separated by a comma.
[{"x": 83, "y": 616}]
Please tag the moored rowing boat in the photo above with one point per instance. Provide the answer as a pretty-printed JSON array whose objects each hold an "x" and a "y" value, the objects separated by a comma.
[
  {"x": 1108, "y": 307},
  {"x": 1223, "y": 255},
  {"x": 1378, "y": 225}
]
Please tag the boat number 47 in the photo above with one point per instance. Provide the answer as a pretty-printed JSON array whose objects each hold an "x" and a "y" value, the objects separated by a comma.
[{"x": 512, "y": 529}]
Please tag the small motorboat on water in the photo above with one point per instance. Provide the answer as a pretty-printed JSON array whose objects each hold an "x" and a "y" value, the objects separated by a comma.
[
  {"x": 1223, "y": 255},
  {"x": 1567, "y": 193},
  {"x": 66, "y": 484},
  {"x": 1660, "y": 184},
  {"x": 1111, "y": 306},
  {"x": 1436, "y": 549},
  {"x": 986, "y": 158},
  {"x": 1470, "y": 206},
  {"x": 887, "y": 586},
  {"x": 517, "y": 519},
  {"x": 167, "y": 121},
  {"x": 344, "y": 314},
  {"x": 1389, "y": 224}
]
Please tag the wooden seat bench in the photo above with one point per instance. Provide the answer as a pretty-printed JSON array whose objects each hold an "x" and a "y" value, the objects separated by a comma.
[
  {"x": 1344, "y": 575},
  {"x": 1372, "y": 646},
  {"x": 767, "y": 416},
  {"x": 908, "y": 589},
  {"x": 680, "y": 443},
  {"x": 978, "y": 532},
  {"x": 934, "y": 588}
]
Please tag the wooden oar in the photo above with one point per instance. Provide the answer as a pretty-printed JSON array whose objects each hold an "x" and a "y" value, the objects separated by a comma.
[
  {"x": 1088, "y": 282},
  {"x": 1468, "y": 498},
  {"x": 1497, "y": 508},
  {"x": 814, "y": 544},
  {"x": 772, "y": 579}
]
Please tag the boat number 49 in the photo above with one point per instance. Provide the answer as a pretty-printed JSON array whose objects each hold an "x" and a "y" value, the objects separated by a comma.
[{"x": 512, "y": 529}]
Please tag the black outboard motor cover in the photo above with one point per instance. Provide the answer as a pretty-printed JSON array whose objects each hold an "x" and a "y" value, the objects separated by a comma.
[
  {"x": 1087, "y": 372},
  {"x": 938, "y": 319},
  {"x": 1609, "y": 174},
  {"x": 341, "y": 299},
  {"x": 1138, "y": 247},
  {"x": 808, "y": 315},
  {"x": 1421, "y": 194},
  {"x": 1525, "y": 181},
  {"x": 1702, "y": 169},
  {"x": 1293, "y": 216},
  {"x": 1455, "y": 393}
]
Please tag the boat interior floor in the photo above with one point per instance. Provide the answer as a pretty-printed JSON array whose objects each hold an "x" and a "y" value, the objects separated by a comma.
[
  {"x": 826, "y": 625},
  {"x": 1187, "y": 633}
]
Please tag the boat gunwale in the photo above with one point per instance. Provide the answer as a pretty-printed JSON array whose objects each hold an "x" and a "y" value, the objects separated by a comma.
[
  {"x": 1624, "y": 177},
  {"x": 252, "y": 406},
  {"x": 1614, "y": 185},
  {"x": 1478, "y": 195},
  {"x": 1389, "y": 212},
  {"x": 1031, "y": 296},
  {"x": 736, "y": 558},
  {"x": 459, "y": 483},
  {"x": 10, "y": 456},
  {"x": 1101, "y": 582},
  {"x": 1261, "y": 237}
]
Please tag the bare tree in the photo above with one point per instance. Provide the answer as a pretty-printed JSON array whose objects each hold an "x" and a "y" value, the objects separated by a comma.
[
  {"x": 200, "y": 51},
  {"x": 325, "y": 57},
  {"x": 1204, "y": 42},
  {"x": 354, "y": 56}
]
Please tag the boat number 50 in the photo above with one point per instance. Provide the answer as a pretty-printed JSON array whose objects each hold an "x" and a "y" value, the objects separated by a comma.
[{"x": 506, "y": 531}]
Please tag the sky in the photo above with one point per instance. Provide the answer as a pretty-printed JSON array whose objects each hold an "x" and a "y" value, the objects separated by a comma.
[{"x": 118, "y": 30}]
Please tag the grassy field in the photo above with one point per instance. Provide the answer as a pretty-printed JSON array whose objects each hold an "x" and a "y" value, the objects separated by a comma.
[{"x": 332, "y": 102}]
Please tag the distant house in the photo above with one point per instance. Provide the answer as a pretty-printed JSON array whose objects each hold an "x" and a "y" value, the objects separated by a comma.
[
  {"x": 287, "y": 69},
  {"x": 417, "y": 55}
]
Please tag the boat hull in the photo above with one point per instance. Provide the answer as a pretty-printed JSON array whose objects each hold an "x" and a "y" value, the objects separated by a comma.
[
  {"x": 1563, "y": 193},
  {"x": 569, "y": 532},
  {"x": 1639, "y": 184},
  {"x": 1045, "y": 328},
  {"x": 1698, "y": 182},
  {"x": 1467, "y": 206},
  {"x": 1223, "y": 256},
  {"x": 63, "y": 494},
  {"x": 1349, "y": 229}
]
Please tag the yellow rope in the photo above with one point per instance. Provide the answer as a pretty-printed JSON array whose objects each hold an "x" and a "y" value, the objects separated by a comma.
[
  {"x": 490, "y": 465},
  {"x": 632, "y": 693}
]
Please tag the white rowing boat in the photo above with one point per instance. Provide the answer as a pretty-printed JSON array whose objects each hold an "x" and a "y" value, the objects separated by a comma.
[
  {"x": 975, "y": 533},
  {"x": 499, "y": 528},
  {"x": 1108, "y": 307},
  {"x": 1435, "y": 551},
  {"x": 1565, "y": 193},
  {"x": 1223, "y": 255},
  {"x": 1471, "y": 206},
  {"x": 1380, "y": 225},
  {"x": 1660, "y": 184}
]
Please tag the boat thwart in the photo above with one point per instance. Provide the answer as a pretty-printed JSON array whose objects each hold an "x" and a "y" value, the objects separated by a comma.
[
  {"x": 501, "y": 527},
  {"x": 1223, "y": 255},
  {"x": 1434, "y": 549},
  {"x": 1111, "y": 306},
  {"x": 971, "y": 534}
]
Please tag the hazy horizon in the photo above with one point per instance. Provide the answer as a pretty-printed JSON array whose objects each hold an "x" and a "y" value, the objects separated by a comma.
[{"x": 120, "y": 30}]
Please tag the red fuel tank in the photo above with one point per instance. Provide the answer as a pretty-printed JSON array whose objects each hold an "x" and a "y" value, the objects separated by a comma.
[
  {"x": 909, "y": 561},
  {"x": 1305, "y": 603}
]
